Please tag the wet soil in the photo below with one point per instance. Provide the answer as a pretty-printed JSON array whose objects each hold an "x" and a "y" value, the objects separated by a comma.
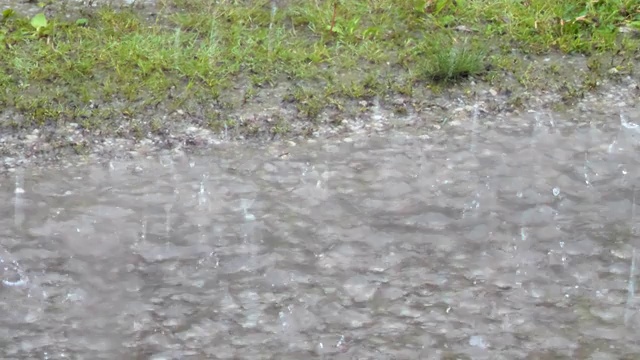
[{"x": 554, "y": 82}]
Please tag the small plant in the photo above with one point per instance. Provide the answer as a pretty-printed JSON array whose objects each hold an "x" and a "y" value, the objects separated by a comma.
[
  {"x": 40, "y": 27},
  {"x": 450, "y": 62}
]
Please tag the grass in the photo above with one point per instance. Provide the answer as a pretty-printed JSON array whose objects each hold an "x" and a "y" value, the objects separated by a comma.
[{"x": 105, "y": 67}]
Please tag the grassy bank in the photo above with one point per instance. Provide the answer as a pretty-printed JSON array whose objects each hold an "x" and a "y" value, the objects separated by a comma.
[{"x": 105, "y": 66}]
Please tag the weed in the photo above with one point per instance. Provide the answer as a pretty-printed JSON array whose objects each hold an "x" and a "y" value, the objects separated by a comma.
[{"x": 449, "y": 62}]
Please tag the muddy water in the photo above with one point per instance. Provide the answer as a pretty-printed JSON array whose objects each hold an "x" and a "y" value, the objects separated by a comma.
[{"x": 510, "y": 242}]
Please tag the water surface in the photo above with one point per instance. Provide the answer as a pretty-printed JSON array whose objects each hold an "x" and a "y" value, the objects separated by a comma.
[{"x": 505, "y": 240}]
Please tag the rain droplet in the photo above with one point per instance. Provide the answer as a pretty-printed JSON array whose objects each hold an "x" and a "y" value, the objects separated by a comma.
[{"x": 556, "y": 191}]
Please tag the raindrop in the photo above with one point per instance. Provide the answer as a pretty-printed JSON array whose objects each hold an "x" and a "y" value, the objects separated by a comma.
[
  {"x": 167, "y": 223},
  {"x": 556, "y": 191},
  {"x": 612, "y": 146}
]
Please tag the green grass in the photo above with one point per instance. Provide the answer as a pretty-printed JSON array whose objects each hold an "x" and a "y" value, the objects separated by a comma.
[{"x": 198, "y": 55}]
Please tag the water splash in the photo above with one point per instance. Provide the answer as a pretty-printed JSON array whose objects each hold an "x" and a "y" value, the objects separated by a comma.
[
  {"x": 202, "y": 193},
  {"x": 587, "y": 167},
  {"x": 21, "y": 280},
  {"x": 628, "y": 125},
  {"x": 17, "y": 199},
  {"x": 474, "y": 204},
  {"x": 142, "y": 236},
  {"x": 536, "y": 128},
  {"x": 245, "y": 204},
  {"x": 612, "y": 146},
  {"x": 305, "y": 170},
  {"x": 12, "y": 273},
  {"x": 616, "y": 145}
]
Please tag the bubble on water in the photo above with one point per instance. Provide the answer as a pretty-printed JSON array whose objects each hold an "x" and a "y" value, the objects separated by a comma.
[{"x": 556, "y": 191}]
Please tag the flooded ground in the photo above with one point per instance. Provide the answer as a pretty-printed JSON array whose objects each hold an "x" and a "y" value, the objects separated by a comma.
[{"x": 518, "y": 241}]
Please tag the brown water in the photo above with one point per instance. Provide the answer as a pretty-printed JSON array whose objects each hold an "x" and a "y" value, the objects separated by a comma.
[{"x": 516, "y": 241}]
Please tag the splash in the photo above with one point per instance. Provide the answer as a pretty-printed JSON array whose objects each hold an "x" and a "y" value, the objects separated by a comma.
[
  {"x": 18, "y": 214},
  {"x": 202, "y": 193},
  {"x": 625, "y": 125},
  {"x": 245, "y": 204}
]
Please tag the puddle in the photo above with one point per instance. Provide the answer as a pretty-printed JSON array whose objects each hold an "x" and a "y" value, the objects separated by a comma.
[{"x": 506, "y": 241}]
